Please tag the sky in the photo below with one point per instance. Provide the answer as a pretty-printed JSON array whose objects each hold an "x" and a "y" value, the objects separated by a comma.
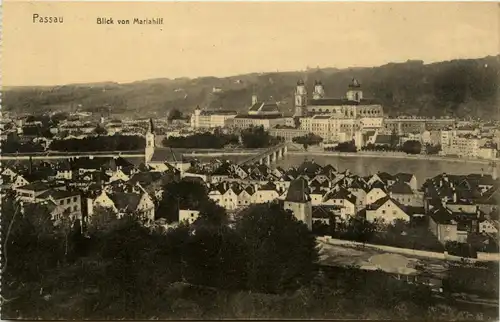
[{"x": 224, "y": 39}]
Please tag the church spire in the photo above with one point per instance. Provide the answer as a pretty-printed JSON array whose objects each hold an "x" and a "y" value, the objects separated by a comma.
[{"x": 151, "y": 128}]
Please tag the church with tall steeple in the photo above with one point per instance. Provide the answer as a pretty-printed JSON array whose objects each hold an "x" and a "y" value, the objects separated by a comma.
[
  {"x": 150, "y": 142},
  {"x": 161, "y": 158}
]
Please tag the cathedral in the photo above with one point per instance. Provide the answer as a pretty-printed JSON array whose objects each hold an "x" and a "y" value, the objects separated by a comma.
[{"x": 353, "y": 105}]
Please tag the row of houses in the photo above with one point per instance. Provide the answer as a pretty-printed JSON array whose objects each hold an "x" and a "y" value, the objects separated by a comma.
[
  {"x": 461, "y": 211},
  {"x": 87, "y": 186},
  {"x": 455, "y": 207}
]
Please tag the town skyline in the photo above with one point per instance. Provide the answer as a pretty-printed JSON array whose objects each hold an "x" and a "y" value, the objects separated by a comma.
[{"x": 451, "y": 31}]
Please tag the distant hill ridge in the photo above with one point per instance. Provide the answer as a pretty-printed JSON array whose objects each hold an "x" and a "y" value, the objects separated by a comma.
[{"x": 463, "y": 87}]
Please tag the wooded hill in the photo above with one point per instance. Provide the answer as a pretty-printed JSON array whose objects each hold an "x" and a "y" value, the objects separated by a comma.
[{"x": 459, "y": 87}]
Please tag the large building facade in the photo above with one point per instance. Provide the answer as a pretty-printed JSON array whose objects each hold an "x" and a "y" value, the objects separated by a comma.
[
  {"x": 403, "y": 126},
  {"x": 202, "y": 119},
  {"x": 265, "y": 114},
  {"x": 352, "y": 105},
  {"x": 336, "y": 119}
]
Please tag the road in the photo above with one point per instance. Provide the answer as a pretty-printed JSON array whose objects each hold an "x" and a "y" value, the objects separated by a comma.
[{"x": 336, "y": 255}]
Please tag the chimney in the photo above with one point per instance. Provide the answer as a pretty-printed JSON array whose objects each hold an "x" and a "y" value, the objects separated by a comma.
[
  {"x": 31, "y": 165},
  {"x": 454, "y": 196}
]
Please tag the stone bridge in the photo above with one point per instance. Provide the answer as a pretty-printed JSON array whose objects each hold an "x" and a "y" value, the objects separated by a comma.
[{"x": 268, "y": 156}]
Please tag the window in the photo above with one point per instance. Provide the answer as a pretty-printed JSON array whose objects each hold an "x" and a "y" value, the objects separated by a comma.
[
  {"x": 61, "y": 202},
  {"x": 74, "y": 199},
  {"x": 68, "y": 200},
  {"x": 394, "y": 212},
  {"x": 75, "y": 208},
  {"x": 383, "y": 212}
]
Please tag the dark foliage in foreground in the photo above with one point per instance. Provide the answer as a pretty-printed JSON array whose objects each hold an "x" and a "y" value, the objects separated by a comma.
[{"x": 264, "y": 268}]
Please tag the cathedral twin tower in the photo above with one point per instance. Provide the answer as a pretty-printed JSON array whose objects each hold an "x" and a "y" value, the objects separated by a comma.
[{"x": 354, "y": 96}]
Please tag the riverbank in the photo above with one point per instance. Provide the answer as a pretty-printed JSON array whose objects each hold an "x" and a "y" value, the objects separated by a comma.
[{"x": 389, "y": 156}]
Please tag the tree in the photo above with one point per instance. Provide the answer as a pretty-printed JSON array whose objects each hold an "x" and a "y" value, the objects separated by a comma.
[
  {"x": 174, "y": 114},
  {"x": 394, "y": 139},
  {"x": 281, "y": 250},
  {"x": 99, "y": 130},
  {"x": 216, "y": 256},
  {"x": 64, "y": 226},
  {"x": 186, "y": 195},
  {"x": 349, "y": 146},
  {"x": 432, "y": 149},
  {"x": 257, "y": 137},
  {"x": 308, "y": 139},
  {"x": 102, "y": 219},
  {"x": 360, "y": 229},
  {"x": 201, "y": 141},
  {"x": 212, "y": 214},
  {"x": 30, "y": 251},
  {"x": 100, "y": 143},
  {"x": 399, "y": 226},
  {"x": 412, "y": 147},
  {"x": 321, "y": 229}
]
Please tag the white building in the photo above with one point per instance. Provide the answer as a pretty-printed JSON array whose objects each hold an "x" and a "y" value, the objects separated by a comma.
[
  {"x": 486, "y": 152},
  {"x": 386, "y": 209},
  {"x": 462, "y": 146},
  {"x": 332, "y": 128},
  {"x": 189, "y": 216},
  {"x": 210, "y": 119}
]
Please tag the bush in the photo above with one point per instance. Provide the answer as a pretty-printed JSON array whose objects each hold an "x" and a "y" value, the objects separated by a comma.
[{"x": 309, "y": 139}]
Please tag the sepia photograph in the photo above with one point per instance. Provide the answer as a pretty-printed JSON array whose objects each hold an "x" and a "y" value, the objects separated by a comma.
[{"x": 250, "y": 160}]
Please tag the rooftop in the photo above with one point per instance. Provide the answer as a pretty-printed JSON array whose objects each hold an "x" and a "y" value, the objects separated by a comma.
[
  {"x": 341, "y": 101},
  {"x": 297, "y": 192}
]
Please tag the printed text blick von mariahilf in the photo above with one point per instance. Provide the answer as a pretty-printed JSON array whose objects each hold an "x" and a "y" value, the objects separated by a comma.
[{"x": 135, "y": 21}]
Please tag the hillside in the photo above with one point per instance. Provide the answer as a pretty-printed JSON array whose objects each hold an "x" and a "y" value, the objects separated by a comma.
[{"x": 458, "y": 87}]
